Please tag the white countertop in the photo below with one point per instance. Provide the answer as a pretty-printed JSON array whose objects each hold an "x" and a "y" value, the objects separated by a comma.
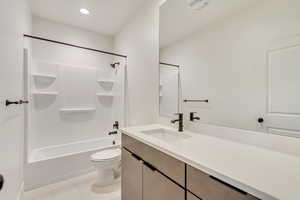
[{"x": 261, "y": 172}]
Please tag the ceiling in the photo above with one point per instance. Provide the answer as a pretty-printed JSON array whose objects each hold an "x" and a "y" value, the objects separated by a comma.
[
  {"x": 106, "y": 16},
  {"x": 178, "y": 20}
]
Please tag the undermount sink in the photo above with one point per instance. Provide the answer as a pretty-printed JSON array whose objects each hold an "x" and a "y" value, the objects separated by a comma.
[{"x": 166, "y": 134}]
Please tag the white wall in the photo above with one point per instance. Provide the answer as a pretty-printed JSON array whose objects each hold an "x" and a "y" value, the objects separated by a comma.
[
  {"x": 71, "y": 34},
  {"x": 226, "y": 62},
  {"x": 48, "y": 126},
  {"x": 15, "y": 20},
  {"x": 139, "y": 40}
]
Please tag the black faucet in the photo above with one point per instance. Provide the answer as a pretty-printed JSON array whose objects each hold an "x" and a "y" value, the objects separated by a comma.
[
  {"x": 179, "y": 120},
  {"x": 192, "y": 117}
]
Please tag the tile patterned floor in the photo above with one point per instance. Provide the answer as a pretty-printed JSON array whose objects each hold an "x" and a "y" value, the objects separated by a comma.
[{"x": 78, "y": 188}]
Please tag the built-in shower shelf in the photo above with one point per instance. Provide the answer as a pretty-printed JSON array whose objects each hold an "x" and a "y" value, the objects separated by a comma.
[
  {"x": 43, "y": 76},
  {"x": 45, "y": 93},
  {"x": 77, "y": 110},
  {"x": 104, "y": 95},
  {"x": 106, "y": 81}
]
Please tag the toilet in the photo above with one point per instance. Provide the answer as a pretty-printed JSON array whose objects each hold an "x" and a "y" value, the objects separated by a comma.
[{"x": 107, "y": 163}]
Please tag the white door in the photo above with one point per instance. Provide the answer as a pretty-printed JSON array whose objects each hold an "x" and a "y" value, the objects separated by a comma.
[
  {"x": 284, "y": 89},
  {"x": 168, "y": 91},
  {"x": 11, "y": 83}
]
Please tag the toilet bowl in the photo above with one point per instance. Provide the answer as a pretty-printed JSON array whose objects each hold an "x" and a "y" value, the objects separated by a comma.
[{"x": 107, "y": 163}]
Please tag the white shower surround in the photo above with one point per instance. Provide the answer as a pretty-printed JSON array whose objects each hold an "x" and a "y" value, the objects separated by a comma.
[
  {"x": 63, "y": 112},
  {"x": 56, "y": 124}
]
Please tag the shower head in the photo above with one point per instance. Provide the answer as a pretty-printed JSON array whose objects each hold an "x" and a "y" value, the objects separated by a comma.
[{"x": 113, "y": 65}]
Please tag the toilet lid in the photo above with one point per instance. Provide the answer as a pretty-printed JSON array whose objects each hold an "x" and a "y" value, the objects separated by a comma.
[{"x": 106, "y": 154}]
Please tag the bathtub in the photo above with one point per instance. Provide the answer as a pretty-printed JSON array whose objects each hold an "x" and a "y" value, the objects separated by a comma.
[{"x": 56, "y": 163}]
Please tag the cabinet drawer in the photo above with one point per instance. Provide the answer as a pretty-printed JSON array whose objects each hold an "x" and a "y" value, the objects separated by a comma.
[
  {"x": 210, "y": 188},
  {"x": 158, "y": 187},
  {"x": 132, "y": 145},
  {"x": 166, "y": 164}
]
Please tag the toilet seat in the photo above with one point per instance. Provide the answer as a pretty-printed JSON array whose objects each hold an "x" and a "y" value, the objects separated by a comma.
[{"x": 106, "y": 155}]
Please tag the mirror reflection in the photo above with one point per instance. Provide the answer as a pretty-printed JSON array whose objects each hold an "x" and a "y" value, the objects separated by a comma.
[
  {"x": 169, "y": 89},
  {"x": 239, "y": 59}
]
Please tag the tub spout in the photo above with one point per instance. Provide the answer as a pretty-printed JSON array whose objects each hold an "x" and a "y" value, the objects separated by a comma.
[{"x": 113, "y": 133}]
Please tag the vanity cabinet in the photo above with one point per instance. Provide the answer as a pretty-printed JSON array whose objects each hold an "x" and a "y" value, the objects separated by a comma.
[
  {"x": 149, "y": 174},
  {"x": 141, "y": 181},
  {"x": 207, "y": 187},
  {"x": 166, "y": 164}
]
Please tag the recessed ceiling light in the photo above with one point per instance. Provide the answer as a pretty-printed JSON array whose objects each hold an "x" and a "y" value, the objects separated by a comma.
[
  {"x": 198, "y": 4},
  {"x": 84, "y": 11}
]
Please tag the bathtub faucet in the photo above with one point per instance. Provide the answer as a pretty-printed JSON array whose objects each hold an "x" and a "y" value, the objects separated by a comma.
[
  {"x": 113, "y": 133},
  {"x": 115, "y": 127}
]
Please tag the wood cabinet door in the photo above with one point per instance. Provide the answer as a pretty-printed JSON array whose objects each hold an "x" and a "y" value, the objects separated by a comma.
[
  {"x": 158, "y": 187},
  {"x": 132, "y": 172},
  {"x": 190, "y": 196}
]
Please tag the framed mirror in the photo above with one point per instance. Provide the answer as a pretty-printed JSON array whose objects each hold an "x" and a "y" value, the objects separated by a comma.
[{"x": 240, "y": 61}]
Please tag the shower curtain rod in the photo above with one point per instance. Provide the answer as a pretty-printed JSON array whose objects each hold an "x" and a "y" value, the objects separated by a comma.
[
  {"x": 171, "y": 65},
  {"x": 73, "y": 45}
]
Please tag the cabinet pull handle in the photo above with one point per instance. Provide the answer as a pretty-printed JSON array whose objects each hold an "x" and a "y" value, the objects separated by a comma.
[
  {"x": 228, "y": 185},
  {"x": 150, "y": 166},
  {"x": 136, "y": 156}
]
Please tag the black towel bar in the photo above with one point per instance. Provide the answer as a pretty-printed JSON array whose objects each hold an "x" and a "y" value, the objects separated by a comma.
[{"x": 195, "y": 100}]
